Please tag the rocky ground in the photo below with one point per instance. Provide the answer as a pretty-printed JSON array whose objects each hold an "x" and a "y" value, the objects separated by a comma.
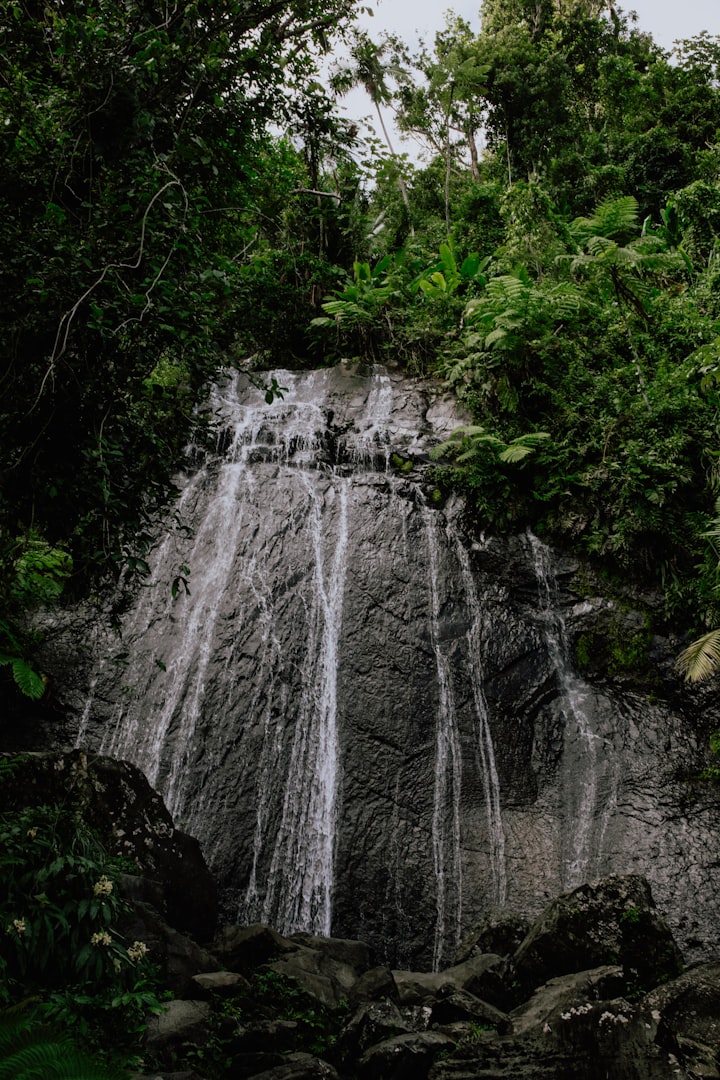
[{"x": 594, "y": 989}]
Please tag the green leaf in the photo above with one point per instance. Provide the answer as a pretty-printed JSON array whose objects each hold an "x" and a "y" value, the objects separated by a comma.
[
  {"x": 700, "y": 660},
  {"x": 27, "y": 679}
]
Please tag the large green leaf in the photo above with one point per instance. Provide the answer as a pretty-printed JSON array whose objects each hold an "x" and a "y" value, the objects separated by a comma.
[{"x": 27, "y": 679}]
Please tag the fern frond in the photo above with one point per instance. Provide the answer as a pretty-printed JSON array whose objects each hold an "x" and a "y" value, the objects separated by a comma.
[
  {"x": 27, "y": 679},
  {"x": 31, "y": 1051},
  {"x": 495, "y": 336},
  {"x": 700, "y": 660},
  {"x": 613, "y": 218},
  {"x": 515, "y": 452},
  {"x": 507, "y": 287}
]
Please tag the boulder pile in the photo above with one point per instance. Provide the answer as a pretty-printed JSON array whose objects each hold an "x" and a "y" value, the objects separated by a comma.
[{"x": 594, "y": 989}]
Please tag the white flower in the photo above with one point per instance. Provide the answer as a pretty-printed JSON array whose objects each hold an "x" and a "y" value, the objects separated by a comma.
[
  {"x": 18, "y": 925},
  {"x": 137, "y": 950},
  {"x": 103, "y": 887},
  {"x": 102, "y": 938}
]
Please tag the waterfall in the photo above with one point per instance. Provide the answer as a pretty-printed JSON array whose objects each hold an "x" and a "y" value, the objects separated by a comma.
[
  {"x": 581, "y": 795},
  {"x": 313, "y": 710},
  {"x": 448, "y": 775},
  {"x": 373, "y": 731}
]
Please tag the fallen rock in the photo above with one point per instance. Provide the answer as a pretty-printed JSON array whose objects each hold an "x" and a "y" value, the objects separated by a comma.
[
  {"x": 178, "y": 956},
  {"x": 115, "y": 798},
  {"x": 461, "y": 1006},
  {"x": 243, "y": 948},
  {"x": 500, "y": 932},
  {"x": 300, "y": 1067},
  {"x": 564, "y": 995},
  {"x": 690, "y": 1005},
  {"x": 418, "y": 987},
  {"x": 224, "y": 984},
  {"x": 371, "y": 1024},
  {"x": 324, "y": 973},
  {"x": 374, "y": 985},
  {"x": 254, "y": 1064},
  {"x": 353, "y": 954},
  {"x": 259, "y": 1036},
  {"x": 481, "y": 976},
  {"x": 612, "y": 921},
  {"x": 178, "y": 1022},
  {"x": 405, "y": 1057}
]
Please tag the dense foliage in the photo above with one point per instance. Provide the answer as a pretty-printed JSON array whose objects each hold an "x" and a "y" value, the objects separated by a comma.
[
  {"x": 178, "y": 193},
  {"x": 68, "y": 976},
  {"x": 151, "y": 230},
  {"x": 586, "y": 345}
]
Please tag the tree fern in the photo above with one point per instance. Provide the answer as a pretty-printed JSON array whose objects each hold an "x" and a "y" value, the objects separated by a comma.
[{"x": 612, "y": 219}]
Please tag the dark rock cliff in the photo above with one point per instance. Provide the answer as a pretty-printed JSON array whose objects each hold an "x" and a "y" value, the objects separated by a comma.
[{"x": 375, "y": 727}]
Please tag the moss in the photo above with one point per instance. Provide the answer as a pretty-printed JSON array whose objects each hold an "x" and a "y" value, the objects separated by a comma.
[
  {"x": 403, "y": 465},
  {"x": 616, "y": 648}
]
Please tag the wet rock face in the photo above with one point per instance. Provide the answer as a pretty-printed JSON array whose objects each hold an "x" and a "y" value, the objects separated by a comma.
[{"x": 375, "y": 727}]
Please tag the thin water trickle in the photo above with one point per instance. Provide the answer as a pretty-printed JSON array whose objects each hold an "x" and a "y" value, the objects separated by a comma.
[
  {"x": 581, "y": 744},
  {"x": 484, "y": 742},
  {"x": 446, "y": 823}
]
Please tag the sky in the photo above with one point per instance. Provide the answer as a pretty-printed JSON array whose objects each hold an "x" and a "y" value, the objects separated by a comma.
[{"x": 666, "y": 20}]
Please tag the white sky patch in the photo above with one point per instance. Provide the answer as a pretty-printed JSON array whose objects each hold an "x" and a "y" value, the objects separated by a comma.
[{"x": 666, "y": 20}]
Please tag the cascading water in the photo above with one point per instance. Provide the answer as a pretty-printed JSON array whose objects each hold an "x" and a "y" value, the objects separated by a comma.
[
  {"x": 373, "y": 730},
  {"x": 484, "y": 741},
  {"x": 306, "y": 836},
  {"x": 585, "y": 814},
  {"x": 313, "y": 710},
  {"x": 446, "y": 823}
]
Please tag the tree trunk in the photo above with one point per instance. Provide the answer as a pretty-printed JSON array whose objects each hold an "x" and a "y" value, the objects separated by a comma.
[{"x": 401, "y": 180}]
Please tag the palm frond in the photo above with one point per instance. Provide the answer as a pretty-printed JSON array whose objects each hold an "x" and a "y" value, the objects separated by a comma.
[{"x": 700, "y": 660}]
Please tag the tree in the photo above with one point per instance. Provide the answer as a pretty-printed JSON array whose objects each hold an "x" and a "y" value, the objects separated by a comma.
[
  {"x": 450, "y": 102},
  {"x": 369, "y": 71},
  {"x": 130, "y": 136}
]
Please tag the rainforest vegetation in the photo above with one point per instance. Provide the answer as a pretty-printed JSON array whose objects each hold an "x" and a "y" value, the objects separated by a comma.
[{"x": 179, "y": 192}]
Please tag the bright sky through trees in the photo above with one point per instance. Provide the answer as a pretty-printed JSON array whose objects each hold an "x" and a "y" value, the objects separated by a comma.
[{"x": 666, "y": 20}]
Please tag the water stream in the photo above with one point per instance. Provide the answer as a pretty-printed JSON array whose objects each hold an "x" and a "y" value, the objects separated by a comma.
[{"x": 583, "y": 745}]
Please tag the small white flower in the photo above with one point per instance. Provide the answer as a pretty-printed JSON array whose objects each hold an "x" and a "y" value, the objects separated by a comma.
[
  {"x": 547, "y": 1029},
  {"x": 137, "y": 950},
  {"x": 103, "y": 887},
  {"x": 101, "y": 938}
]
